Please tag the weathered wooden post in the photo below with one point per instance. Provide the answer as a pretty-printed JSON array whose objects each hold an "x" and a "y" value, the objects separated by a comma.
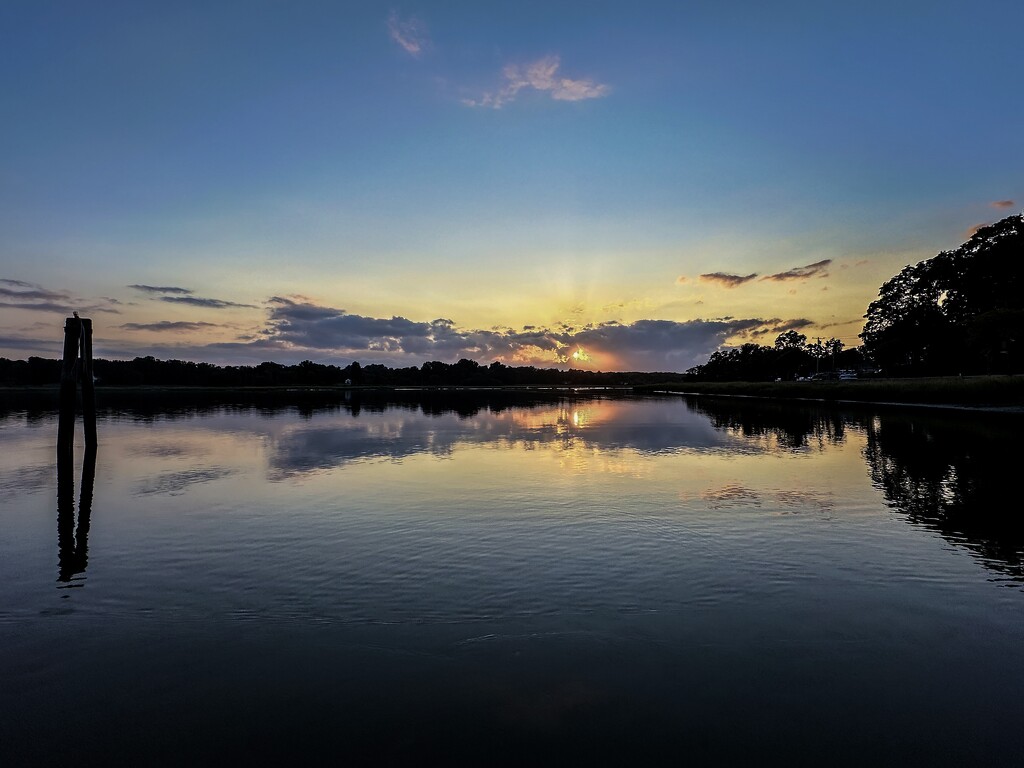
[
  {"x": 88, "y": 388},
  {"x": 76, "y": 365},
  {"x": 68, "y": 386}
]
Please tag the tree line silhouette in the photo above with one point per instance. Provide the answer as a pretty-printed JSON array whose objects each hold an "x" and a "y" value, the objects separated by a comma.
[
  {"x": 148, "y": 371},
  {"x": 790, "y": 357},
  {"x": 960, "y": 312}
]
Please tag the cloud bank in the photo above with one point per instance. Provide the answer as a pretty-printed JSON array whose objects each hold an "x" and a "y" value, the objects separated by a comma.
[{"x": 298, "y": 329}]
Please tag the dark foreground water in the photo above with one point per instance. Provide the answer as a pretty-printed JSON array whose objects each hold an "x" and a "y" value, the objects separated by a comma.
[{"x": 577, "y": 581}]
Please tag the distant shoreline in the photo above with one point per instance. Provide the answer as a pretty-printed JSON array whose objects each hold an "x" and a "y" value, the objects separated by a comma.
[{"x": 989, "y": 393}]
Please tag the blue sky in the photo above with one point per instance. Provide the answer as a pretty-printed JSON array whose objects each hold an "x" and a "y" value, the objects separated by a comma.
[{"x": 541, "y": 176}]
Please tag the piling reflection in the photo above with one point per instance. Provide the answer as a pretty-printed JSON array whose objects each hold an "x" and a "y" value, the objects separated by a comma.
[{"x": 72, "y": 541}]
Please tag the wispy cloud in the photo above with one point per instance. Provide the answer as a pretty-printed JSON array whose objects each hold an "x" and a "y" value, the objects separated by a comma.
[
  {"x": 682, "y": 279},
  {"x": 169, "y": 325},
  {"x": 198, "y": 301},
  {"x": 51, "y": 347},
  {"x": 17, "y": 283},
  {"x": 30, "y": 291},
  {"x": 410, "y": 33},
  {"x": 541, "y": 75},
  {"x": 18, "y": 294},
  {"x": 841, "y": 323},
  {"x": 777, "y": 325},
  {"x": 819, "y": 268},
  {"x": 726, "y": 279},
  {"x": 172, "y": 289},
  {"x": 1002, "y": 203},
  {"x": 37, "y": 306}
]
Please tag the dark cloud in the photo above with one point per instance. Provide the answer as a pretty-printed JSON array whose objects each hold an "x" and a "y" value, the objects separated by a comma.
[
  {"x": 777, "y": 325},
  {"x": 841, "y": 323},
  {"x": 642, "y": 345},
  {"x": 31, "y": 345},
  {"x": 169, "y": 325},
  {"x": 39, "y": 306},
  {"x": 161, "y": 289},
  {"x": 660, "y": 345},
  {"x": 297, "y": 329},
  {"x": 801, "y": 273},
  {"x": 792, "y": 325},
  {"x": 727, "y": 280},
  {"x": 1002, "y": 203},
  {"x": 29, "y": 292},
  {"x": 17, "y": 283},
  {"x": 197, "y": 301},
  {"x": 34, "y": 297},
  {"x": 65, "y": 308}
]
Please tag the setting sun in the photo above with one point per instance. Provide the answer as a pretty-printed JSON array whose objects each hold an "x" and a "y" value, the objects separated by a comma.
[{"x": 580, "y": 355}]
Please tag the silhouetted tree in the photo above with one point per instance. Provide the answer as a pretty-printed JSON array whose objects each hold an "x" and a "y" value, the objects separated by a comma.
[
  {"x": 790, "y": 340},
  {"x": 961, "y": 310}
]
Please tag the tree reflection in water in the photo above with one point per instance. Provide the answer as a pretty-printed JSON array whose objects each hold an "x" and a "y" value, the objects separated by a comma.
[
  {"x": 956, "y": 476},
  {"x": 952, "y": 472},
  {"x": 787, "y": 425}
]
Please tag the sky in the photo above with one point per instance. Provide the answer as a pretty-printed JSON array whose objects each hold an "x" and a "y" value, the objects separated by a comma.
[{"x": 613, "y": 186}]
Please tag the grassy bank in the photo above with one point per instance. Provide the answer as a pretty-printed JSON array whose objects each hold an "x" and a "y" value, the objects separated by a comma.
[{"x": 973, "y": 391}]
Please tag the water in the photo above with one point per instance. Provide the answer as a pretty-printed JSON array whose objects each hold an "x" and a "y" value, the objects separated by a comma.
[{"x": 481, "y": 581}]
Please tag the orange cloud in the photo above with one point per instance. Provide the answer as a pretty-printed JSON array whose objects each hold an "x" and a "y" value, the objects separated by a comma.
[{"x": 1002, "y": 204}]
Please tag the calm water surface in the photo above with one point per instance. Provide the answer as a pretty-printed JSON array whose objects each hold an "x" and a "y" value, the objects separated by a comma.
[{"x": 575, "y": 581}]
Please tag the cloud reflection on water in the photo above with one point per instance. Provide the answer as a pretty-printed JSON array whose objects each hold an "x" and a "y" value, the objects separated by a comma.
[{"x": 952, "y": 473}]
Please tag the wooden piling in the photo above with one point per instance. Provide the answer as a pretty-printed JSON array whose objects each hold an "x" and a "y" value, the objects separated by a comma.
[
  {"x": 76, "y": 366},
  {"x": 68, "y": 385},
  {"x": 88, "y": 389}
]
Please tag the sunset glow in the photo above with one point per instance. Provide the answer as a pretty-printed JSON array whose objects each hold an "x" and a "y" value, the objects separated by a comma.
[{"x": 625, "y": 189}]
